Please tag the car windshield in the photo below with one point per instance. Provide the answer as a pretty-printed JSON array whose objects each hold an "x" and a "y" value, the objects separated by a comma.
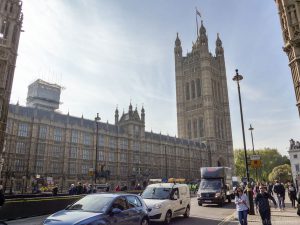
[
  {"x": 92, "y": 203},
  {"x": 210, "y": 184},
  {"x": 156, "y": 193}
]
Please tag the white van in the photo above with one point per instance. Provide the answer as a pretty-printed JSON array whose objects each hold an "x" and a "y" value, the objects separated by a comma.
[{"x": 167, "y": 200}]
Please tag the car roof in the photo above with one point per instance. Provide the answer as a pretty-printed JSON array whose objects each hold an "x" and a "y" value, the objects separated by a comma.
[
  {"x": 112, "y": 195},
  {"x": 167, "y": 185}
]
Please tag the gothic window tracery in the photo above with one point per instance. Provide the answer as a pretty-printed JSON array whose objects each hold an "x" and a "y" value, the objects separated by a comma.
[
  {"x": 189, "y": 129},
  {"x": 187, "y": 91},
  {"x": 195, "y": 128},
  {"x": 193, "y": 89},
  {"x": 198, "y": 84}
]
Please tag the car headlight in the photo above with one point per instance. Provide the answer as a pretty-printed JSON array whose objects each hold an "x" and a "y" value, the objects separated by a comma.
[
  {"x": 157, "y": 206},
  {"x": 199, "y": 195},
  {"x": 218, "y": 194}
]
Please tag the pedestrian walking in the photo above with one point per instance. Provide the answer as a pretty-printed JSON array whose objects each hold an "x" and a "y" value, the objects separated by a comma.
[
  {"x": 72, "y": 190},
  {"x": 55, "y": 190},
  {"x": 279, "y": 190},
  {"x": 270, "y": 188},
  {"x": 2, "y": 200},
  {"x": 298, "y": 202},
  {"x": 117, "y": 189},
  {"x": 2, "y": 197},
  {"x": 292, "y": 194},
  {"x": 263, "y": 206},
  {"x": 242, "y": 206},
  {"x": 79, "y": 189}
]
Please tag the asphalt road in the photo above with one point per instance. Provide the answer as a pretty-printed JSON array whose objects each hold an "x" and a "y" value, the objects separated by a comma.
[{"x": 207, "y": 214}]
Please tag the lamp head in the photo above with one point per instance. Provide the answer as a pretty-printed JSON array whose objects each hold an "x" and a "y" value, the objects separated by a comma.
[
  {"x": 97, "y": 118},
  {"x": 251, "y": 128},
  {"x": 237, "y": 76}
]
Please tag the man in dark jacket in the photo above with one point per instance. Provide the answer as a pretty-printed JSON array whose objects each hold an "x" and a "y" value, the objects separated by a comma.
[
  {"x": 262, "y": 205},
  {"x": 279, "y": 190},
  {"x": 2, "y": 197}
]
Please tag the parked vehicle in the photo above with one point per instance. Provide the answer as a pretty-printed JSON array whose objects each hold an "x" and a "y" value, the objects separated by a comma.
[
  {"x": 235, "y": 182},
  {"x": 215, "y": 186},
  {"x": 167, "y": 200},
  {"x": 104, "y": 209}
]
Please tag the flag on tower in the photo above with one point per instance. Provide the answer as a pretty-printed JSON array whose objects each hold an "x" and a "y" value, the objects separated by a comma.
[{"x": 197, "y": 12}]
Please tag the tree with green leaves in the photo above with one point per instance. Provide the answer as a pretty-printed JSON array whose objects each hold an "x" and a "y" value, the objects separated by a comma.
[
  {"x": 270, "y": 158},
  {"x": 281, "y": 173}
]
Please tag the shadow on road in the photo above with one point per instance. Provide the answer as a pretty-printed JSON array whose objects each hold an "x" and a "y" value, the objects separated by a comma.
[
  {"x": 191, "y": 221},
  {"x": 226, "y": 206}
]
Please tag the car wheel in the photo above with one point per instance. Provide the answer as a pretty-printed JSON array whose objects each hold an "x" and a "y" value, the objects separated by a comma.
[
  {"x": 199, "y": 203},
  {"x": 144, "y": 222},
  {"x": 168, "y": 217},
  {"x": 187, "y": 212}
]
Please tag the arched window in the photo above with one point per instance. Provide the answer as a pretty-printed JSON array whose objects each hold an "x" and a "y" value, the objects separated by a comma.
[
  {"x": 189, "y": 129},
  {"x": 200, "y": 127},
  {"x": 187, "y": 91},
  {"x": 198, "y": 84},
  {"x": 193, "y": 89},
  {"x": 195, "y": 130},
  {"x": 14, "y": 36}
]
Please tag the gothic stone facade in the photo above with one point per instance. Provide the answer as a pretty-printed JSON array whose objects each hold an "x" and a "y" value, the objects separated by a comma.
[
  {"x": 289, "y": 14},
  {"x": 202, "y": 98},
  {"x": 50, "y": 144},
  {"x": 10, "y": 27}
]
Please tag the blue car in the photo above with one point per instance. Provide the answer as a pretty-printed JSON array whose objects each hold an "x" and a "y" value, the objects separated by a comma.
[{"x": 103, "y": 209}]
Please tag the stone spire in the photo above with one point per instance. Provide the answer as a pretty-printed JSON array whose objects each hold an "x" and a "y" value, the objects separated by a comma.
[
  {"x": 178, "y": 48},
  {"x": 219, "y": 48},
  {"x": 130, "y": 110},
  {"x": 203, "y": 36},
  {"x": 143, "y": 114},
  {"x": 116, "y": 116}
]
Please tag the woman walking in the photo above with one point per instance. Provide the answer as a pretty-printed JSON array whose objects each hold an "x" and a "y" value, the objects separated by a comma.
[
  {"x": 242, "y": 206},
  {"x": 292, "y": 194}
]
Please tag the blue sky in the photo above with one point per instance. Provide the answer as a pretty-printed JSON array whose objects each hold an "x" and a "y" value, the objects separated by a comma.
[{"x": 106, "y": 53}]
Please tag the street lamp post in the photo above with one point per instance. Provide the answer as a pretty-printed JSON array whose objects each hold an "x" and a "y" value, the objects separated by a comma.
[
  {"x": 238, "y": 78},
  {"x": 166, "y": 159},
  {"x": 251, "y": 129},
  {"x": 97, "y": 119}
]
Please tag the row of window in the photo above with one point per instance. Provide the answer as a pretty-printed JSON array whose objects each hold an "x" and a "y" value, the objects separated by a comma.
[
  {"x": 216, "y": 90},
  {"x": 193, "y": 89},
  {"x": 195, "y": 128},
  {"x": 87, "y": 153},
  {"x": 56, "y": 167}
]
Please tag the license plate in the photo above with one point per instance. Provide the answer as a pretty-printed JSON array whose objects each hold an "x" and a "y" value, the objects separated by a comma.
[{"x": 207, "y": 200}]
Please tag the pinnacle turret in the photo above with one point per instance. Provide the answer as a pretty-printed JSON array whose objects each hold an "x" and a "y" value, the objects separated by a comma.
[
  {"x": 203, "y": 36},
  {"x": 219, "y": 48},
  {"x": 178, "y": 48}
]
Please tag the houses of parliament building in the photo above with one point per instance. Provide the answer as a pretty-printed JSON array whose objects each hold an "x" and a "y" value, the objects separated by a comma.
[{"x": 42, "y": 143}]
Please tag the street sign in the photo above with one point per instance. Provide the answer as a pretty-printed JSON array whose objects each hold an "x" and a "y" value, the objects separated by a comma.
[
  {"x": 91, "y": 172},
  {"x": 254, "y": 157},
  {"x": 256, "y": 163}
]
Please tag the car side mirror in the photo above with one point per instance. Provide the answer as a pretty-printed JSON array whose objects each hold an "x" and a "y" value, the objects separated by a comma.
[
  {"x": 115, "y": 211},
  {"x": 174, "y": 197},
  {"x": 68, "y": 206}
]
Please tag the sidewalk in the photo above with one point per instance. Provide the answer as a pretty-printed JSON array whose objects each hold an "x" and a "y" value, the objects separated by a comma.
[{"x": 286, "y": 217}]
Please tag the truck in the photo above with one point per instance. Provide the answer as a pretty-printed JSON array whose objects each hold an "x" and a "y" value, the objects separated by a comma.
[{"x": 215, "y": 186}]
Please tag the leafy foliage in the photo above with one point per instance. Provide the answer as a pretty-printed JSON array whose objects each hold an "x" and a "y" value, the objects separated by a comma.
[
  {"x": 270, "y": 158},
  {"x": 281, "y": 173}
]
